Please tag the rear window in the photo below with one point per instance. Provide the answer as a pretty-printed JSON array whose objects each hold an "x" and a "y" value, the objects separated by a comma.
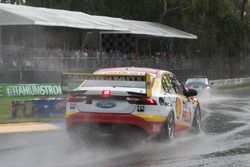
[
  {"x": 195, "y": 84},
  {"x": 203, "y": 80},
  {"x": 112, "y": 83}
]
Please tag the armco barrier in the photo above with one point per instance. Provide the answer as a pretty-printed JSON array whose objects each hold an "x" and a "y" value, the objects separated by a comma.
[
  {"x": 229, "y": 82},
  {"x": 51, "y": 107}
]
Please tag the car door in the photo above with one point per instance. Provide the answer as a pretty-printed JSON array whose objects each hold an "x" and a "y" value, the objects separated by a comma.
[
  {"x": 170, "y": 96},
  {"x": 168, "y": 91},
  {"x": 183, "y": 114}
]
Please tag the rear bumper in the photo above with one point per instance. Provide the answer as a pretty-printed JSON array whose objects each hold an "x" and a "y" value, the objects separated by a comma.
[{"x": 151, "y": 128}]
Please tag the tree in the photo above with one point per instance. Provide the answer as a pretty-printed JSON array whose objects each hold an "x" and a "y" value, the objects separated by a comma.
[{"x": 221, "y": 25}]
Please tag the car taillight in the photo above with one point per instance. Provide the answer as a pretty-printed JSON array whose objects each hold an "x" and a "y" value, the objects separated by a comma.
[
  {"x": 71, "y": 98},
  {"x": 106, "y": 93},
  {"x": 205, "y": 86},
  {"x": 141, "y": 100}
]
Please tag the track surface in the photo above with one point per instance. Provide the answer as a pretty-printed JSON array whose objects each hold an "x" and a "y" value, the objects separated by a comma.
[{"x": 224, "y": 141}]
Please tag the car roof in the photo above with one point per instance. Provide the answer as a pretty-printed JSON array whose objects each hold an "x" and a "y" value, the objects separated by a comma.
[
  {"x": 198, "y": 76},
  {"x": 197, "y": 80},
  {"x": 130, "y": 70}
]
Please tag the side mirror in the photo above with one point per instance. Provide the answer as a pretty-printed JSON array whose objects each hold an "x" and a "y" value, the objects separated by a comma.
[{"x": 191, "y": 92}]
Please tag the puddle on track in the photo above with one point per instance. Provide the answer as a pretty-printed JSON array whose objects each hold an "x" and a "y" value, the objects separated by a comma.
[{"x": 224, "y": 141}]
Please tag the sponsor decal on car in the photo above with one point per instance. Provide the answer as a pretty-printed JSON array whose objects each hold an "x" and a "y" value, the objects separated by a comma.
[
  {"x": 178, "y": 107},
  {"x": 106, "y": 104}
]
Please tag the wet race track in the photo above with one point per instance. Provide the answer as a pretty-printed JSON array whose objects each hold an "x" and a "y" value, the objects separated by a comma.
[{"x": 224, "y": 141}]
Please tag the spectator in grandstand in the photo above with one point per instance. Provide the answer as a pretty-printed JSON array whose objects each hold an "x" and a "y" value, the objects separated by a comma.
[
  {"x": 28, "y": 65},
  {"x": 84, "y": 53},
  {"x": 14, "y": 64}
]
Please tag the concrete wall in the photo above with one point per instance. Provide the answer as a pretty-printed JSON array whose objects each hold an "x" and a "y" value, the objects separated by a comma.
[{"x": 230, "y": 82}]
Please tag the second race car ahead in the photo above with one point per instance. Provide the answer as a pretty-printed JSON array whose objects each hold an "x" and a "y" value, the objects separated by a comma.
[
  {"x": 129, "y": 101},
  {"x": 201, "y": 85}
]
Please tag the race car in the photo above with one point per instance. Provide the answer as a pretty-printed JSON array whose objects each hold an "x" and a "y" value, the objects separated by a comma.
[
  {"x": 201, "y": 85},
  {"x": 128, "y": 101}
]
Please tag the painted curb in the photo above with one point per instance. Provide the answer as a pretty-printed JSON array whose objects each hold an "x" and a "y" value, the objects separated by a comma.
[{"x": 28, "y": 127}]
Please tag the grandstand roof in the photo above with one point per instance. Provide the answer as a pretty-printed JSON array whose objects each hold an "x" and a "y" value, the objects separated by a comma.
[{"x": 27, "y": 15}]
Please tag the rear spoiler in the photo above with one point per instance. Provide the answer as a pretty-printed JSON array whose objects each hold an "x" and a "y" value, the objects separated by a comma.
[{"x": 69, "y": 78}]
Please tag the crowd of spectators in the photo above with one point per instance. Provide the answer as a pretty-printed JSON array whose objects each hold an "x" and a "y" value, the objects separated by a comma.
[
  {"x": 16, "y": 58},
  {"x": 13, "y": 58},
  {"x": 43, "y": 59}
]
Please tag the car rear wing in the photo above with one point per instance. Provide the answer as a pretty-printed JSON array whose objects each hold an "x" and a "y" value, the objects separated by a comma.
[{"x": 69, "y": 78}]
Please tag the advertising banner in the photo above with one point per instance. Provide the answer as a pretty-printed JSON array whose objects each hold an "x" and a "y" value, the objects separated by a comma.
[
  {"x": 49, "y": 107},
  {"x": 42, "y": 107},
  {"x": 22, "y": 90}
]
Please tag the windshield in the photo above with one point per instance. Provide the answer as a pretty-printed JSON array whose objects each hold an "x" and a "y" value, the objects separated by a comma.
[{"x": 108, "y": 83}]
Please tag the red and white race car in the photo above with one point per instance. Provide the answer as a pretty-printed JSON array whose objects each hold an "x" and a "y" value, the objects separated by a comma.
[{"x": 122, "y": 101}]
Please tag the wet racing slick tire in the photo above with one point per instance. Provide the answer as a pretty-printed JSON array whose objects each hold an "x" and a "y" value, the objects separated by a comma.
[
  {"x": 197, "y": 120},
  {"x": 168, "y": 129},
  {"x": 75, "y": 135},
  {"x": 79, "y": 135}
]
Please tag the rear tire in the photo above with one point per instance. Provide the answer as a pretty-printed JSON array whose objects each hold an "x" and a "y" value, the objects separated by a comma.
[
  {"x": 168, "y": 129},
  {"x": 197, "y": 120},
  {"x": 129, "y": 137},
  {"x": 79, "y": 135},
  {"x": 75, "y": 135},
  {"x": 170, "y": 126}
]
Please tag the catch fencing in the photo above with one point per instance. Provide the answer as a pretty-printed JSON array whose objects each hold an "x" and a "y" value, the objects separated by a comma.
[{"x": 49, "y": 68}]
